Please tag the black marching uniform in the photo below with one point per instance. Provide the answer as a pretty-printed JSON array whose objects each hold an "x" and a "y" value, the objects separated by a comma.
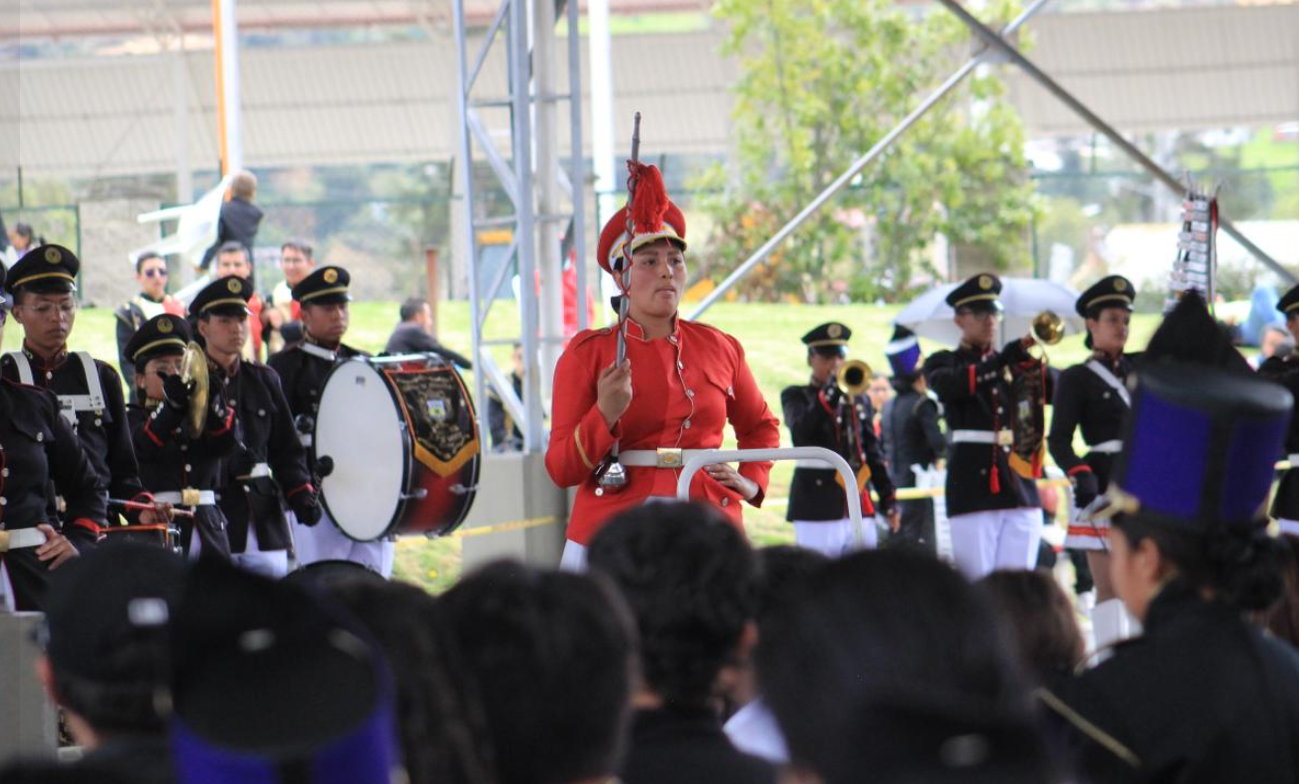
[
  {"x": 1285, "y": 371},
  {"x": 1196, "y": 658},
  {"x": 303, "y": 368},
  {"x": 40, "y": 455},
  {"x": 973, "y": 385},
  {"x": 818, "y": 415},
  {"x": 911, "y": 436},
  {"x": 304, "y": 364},
  {"x": 1204, "y": 695},
  {"x": 37, "y": 448},
  {"x": 99, "y": 415},
  {"x": 1092, "y": 396},
  {"x": 268, "y": 462},
  {"x": 176, "y": 468}
]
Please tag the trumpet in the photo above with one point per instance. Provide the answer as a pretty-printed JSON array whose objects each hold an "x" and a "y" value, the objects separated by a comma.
[
  {"x": 854, "y": 377},
  {"x": 1048, "y": 330}
]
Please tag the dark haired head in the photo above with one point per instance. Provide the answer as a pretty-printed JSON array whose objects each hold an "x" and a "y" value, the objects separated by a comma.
[
  {"x": 881, "y": 641},
  {"x": 781, "y": 568},
  {"x": 546, "y": 650},
  {"x": 1238, "y": 564},
  {"x": 434, "y": 720},
  {"x": 233, "y": 246},
  {"x": 689, "y": 577},
  {"x": 411, "y": 307},
  {"x": 142, "y": 258},
  {"x": 300, "y": 246},
  {"x": 1282, "y": 618},
  {"x": 1039, "y": 618}
]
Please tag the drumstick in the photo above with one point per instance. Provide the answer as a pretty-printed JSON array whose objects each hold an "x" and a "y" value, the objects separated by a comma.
[{"x": 142, "y": 507}]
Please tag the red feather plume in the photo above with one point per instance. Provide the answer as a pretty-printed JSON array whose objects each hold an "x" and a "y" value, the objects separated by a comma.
[{"x": 650, "y": 202}]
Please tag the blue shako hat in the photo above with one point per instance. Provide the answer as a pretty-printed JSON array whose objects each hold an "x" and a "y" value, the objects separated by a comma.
[
  {"x": 269, "y": 685},
  {"x": 1203, "y": 434},
  {"x": 903, "y": 351}
]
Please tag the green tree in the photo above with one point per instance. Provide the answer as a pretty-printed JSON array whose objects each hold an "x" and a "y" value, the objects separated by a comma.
[{"x": 821, "y": 81}]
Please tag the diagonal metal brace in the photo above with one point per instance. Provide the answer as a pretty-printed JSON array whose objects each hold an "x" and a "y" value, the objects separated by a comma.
[{"x": 992, "y": 39}]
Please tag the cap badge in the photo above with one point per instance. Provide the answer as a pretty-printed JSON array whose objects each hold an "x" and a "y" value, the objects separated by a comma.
[
  {"x": 164, "y": 326},
  {"x": 53, "y": 256},
  {"x": 331, "y": 276},
  {"x": 1120, "y": 285},
  {"x": 834, "y": 331},
  {"x": 234, "y": 286},
  {"x": 985, "y": 282}
]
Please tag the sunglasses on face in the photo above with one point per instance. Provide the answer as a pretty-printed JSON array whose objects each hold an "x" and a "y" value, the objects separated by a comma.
[{"x": 156, "y": 272}]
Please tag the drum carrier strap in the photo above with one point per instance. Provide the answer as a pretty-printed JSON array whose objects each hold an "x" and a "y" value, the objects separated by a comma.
[{"x": 69, "y": 405}]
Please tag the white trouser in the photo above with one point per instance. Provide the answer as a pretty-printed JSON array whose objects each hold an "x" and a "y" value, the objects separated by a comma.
[
  {"x": 983, "y": 542},
  {"x": 1288, "y": 526},
  {"x": 574, "y": 557},
  {"x": 325, "y": 542},
  {"x": 834, "y": 538},
  {"x": 268, "y": 563}
]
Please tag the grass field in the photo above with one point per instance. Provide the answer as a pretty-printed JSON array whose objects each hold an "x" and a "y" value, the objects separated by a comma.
[{"x": 769, "y": 333}]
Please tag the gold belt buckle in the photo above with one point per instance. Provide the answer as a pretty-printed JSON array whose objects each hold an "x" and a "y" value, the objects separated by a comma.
[
  {"x": 1005, "y": 438},
  {"x": 190, "y": 496},
  {"x": 4, "y": 541},
  {"x": 669, "y": 458}
]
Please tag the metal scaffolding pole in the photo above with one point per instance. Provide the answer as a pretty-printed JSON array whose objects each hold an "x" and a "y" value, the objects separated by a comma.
[
  {"x": 861, "y": 163},
  {"x": 991, "y": 39},
  {"x": 530, "y": 174}
]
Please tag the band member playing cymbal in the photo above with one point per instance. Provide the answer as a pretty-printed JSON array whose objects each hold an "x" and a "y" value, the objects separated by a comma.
[
  {"x": 1285, "y": 371},
  {"x": 41, "y": 456},
  {"x": 178, "y": 469},
  {"x": 678, "y": 386},
  {"x": 268, "y": 466},
  {"x": 822, "y": 413},
  {"x": 322, "y": 298},
  {"x": 995, "y": 513},
  {"x": 1094, "y": 396}
]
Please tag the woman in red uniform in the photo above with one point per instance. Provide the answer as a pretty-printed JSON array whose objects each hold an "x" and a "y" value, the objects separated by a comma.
[{"x": 680, "y": 383}]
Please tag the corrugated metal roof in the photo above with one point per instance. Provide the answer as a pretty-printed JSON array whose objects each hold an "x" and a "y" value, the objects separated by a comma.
[
  {"x": 1141, "y": 71},
  {"x": 1196, "y": 68},
  {"x": 71, "y": 18}
]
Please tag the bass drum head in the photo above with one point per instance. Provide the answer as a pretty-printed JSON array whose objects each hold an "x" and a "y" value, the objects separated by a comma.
[{"x": 359, "y": 427}]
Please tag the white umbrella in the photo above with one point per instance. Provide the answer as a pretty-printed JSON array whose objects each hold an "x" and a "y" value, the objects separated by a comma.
[{"x": 929, "y": 315}]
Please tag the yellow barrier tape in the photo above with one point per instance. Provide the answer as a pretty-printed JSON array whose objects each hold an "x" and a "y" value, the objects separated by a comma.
[{"x": 513, "y": 525}]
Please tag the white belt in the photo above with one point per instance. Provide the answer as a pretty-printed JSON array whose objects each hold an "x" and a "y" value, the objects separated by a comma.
[
  {"x": 1107, "y": 447},
  {"x": 22, "y": 537},
  {"x": 259, "y": 471},
  {"x": 999, "y": 437},
  {"x": 658, "y": 458},
  {"x": 1293, "y": 460},
  {"x": 187, "y": 497}
]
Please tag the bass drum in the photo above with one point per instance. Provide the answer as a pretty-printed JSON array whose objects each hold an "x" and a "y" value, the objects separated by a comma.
[{"x": 396, "y": 442}]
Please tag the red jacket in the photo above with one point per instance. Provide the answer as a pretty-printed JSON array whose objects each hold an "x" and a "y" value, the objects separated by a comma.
[{"x": 697, "y": 358}]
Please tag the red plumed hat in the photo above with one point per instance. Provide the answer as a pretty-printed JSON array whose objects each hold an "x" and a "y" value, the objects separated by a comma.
[{"x": 654, "y": 217}]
